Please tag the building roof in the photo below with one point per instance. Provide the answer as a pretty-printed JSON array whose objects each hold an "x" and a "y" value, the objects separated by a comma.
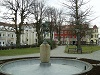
[
  {"x": 70, "y": 27},
  {"x": 12, "y": 25},
  {"x": 95, "y": 27},
  {"x": 6, "y": 24}
]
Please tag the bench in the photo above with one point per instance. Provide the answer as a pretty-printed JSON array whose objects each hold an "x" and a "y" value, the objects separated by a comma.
[{"x": 74, "y": 49}]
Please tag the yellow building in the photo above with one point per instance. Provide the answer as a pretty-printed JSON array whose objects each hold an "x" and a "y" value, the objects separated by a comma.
[{"x": 94, "y": 35}]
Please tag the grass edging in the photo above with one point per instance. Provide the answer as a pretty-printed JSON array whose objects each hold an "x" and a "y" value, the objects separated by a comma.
[
  {"x": 21, "y": 51},
  {"x": 85, "y": 49}
]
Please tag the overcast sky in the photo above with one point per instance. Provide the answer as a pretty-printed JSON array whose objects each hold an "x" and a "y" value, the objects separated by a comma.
[
  {"x": 95, "y": 9},
  {"x": 94, "y": 3}
]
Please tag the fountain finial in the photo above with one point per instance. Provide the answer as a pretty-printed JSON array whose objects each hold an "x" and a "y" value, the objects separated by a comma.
[
  {"x": 45, "y": 54},
  {"x": 45, "y": 48}
]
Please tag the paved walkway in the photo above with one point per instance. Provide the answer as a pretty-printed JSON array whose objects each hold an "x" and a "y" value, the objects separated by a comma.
[{"x": 59, "y": 52}]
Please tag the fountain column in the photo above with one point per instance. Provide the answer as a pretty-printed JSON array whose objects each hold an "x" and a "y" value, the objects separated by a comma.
[{"x": 45, "y": 53}]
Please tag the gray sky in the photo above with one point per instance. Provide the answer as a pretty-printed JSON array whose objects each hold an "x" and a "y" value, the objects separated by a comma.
[
  {"x": 58, "y": 4},
  {"x": 95, "y": 4},
  {"x": 95, "y": 9}
]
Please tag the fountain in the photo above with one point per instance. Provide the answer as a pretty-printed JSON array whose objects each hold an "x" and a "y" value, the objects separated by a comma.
[{"x": 45, "y": 65}]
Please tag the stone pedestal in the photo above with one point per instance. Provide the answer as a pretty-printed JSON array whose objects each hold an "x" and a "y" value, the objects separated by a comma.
[{"x": 45, "y": 53}]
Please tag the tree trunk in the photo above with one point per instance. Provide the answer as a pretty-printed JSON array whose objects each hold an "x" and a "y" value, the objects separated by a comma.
[
  {"x": 59, "y": 37},
  {"x": 78, "y": 25},
  {"x": 38, "y": 25},
  {"x": 18, "y": 40},
  {"x": 79, "y": 49}
]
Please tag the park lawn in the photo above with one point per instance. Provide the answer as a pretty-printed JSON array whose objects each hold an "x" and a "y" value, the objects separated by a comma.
[
  {"x": 22, "y": 51},
  {"x": 85, "y": 49}
]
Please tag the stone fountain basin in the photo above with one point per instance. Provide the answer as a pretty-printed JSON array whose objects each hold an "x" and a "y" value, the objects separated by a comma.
[{"x": 59, "y": 66}]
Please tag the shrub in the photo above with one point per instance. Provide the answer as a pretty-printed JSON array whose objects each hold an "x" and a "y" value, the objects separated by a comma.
[{"x": 52, "y": 43}]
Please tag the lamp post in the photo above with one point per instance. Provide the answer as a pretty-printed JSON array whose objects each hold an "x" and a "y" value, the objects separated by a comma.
[{"x": 78, "y": 41}]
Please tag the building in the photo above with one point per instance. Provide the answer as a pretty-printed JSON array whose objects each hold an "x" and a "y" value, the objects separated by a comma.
[
  {"x": 7, "y": 36},
  {"x": 29, "y": 36},
  {"x": 69, "y": 36},
  {"x": 94, "y": 35},
  {"x": 99, "y": 41}
]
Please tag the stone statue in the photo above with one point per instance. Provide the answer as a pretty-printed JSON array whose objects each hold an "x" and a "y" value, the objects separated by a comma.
[{"x": 45, "y": 27}]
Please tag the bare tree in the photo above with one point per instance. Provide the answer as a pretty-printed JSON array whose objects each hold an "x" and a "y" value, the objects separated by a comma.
[
  {"x": 19, "y": 11},
  {"x": 79, "y": 18},
  {"x": 50, "y": 13},
  {"x": 59, "y": 21},
  {"x": 38, "y": 11},
  {"x": 55, "y": 17}
]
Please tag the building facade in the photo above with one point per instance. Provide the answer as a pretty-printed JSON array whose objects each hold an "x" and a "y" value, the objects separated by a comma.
[
  {"x": 7, "y": 36},
  {"x": 69, "y": 36},
  {"x": 94, "y": 35},
  {"x": 29, "y": 37}
]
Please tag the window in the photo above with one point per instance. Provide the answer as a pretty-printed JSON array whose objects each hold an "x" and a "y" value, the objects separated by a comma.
[
  {"x": 36, "y": 40},
  {"x": 3, "y": 42},
  {"x": 74, "y": 36},
  {"x": 12, "y": 43},
  {"x": 3, "y": 34},
  {"x": 8, "y": 35},
  {"x": 61, "y": 32},
  {"x": 68, "y": 32},
  {"x": 12, "y": 35},
  {"x": 71, "y": 36},
  {"x": 95, "y": 35},
  {"x": 91, "y": 36},
  {"x": 97, "y": 30},
  {"x": 0, "y": 34}
]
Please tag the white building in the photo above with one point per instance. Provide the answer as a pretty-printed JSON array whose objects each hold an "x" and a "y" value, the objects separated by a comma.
[
  {"x": 7, "y": 36},
  {"x": 29, "y": 36}
]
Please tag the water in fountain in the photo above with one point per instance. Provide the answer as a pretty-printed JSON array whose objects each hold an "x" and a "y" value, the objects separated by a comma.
[{"x": 45, "y": 65}]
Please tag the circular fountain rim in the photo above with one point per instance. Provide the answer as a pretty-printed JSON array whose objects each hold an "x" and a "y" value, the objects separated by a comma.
[{"x": 37, "y": 58}]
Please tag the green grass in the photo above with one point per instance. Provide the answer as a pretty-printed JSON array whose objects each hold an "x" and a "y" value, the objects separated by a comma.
[
  {"x": 23, "y": 51},
  {"x": 85, "y": 49}
]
